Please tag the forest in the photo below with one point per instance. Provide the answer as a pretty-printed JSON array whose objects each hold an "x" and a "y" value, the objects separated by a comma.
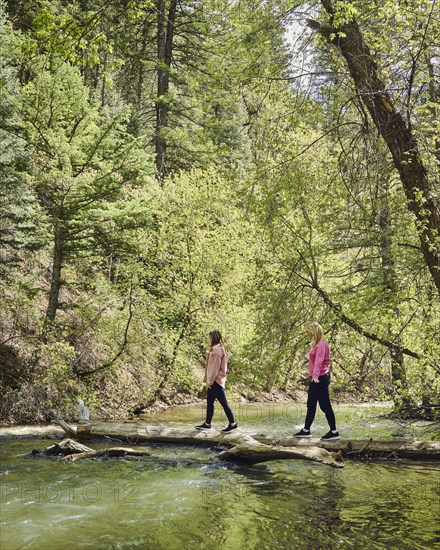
[{"x": 172, "y": 167}]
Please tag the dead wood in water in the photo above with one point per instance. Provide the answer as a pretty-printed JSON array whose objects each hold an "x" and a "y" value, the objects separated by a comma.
[
  {"x": 65, "y": 447},
  {"x": 113, "y": 452},
  {"x": 60, "y": 422},
  {"x": 251, "y": 451},
  {"x": 353, "y": 448},
  {"x": 257, "y": 447},
  {"x": 245, "y": 447},
  {"x": 72, "y": 450}
]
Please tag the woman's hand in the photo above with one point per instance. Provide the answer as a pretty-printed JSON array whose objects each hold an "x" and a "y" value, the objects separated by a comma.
[{"x": 315, "y": 380}]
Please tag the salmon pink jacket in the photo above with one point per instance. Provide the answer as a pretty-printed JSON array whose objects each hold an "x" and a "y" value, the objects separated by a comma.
[
  {"x": 216, "y": 366},
  {"x": 319, "y": 359}
]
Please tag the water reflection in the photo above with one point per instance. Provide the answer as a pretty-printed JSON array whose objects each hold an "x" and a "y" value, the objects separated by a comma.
[{"x": 292, "y": 505}]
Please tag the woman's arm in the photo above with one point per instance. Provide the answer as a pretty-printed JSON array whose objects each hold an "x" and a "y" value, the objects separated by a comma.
[
  {"x": 319, "y": 359},
  {"x": 213, "y": 368}
]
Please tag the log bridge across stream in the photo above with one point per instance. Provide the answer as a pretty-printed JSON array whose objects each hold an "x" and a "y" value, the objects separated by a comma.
[{"x": 252, "y": 448}]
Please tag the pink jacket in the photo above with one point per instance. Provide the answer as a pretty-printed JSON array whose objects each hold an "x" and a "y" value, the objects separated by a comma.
[
  {"x": 216, "y": 366},
  {"x": 319, "y": 359}
]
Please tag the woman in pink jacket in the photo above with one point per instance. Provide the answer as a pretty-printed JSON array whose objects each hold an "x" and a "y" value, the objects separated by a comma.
[
  {"x": 319, "y": 370},
  {"x": 216, "y": 367}
]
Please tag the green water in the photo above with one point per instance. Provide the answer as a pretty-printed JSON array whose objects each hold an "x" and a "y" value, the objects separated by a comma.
[{"x": 184, "y": 497}]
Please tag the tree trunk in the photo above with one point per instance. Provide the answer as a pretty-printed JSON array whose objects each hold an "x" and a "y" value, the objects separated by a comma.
[
  {"x": 420, "y": 193},
  {"x": 247, "y": 450},
  {"x": 245, "y": 447},
  {"x": 137, "y": 432},
  {"x": 434, "y": 96},
  {"x": 398, "y": 371},
  {"x": 165, "y": 35},
  {"x": 55, "y": 282},
  {"x": 416, "y": 450},
  {"x": 251, "y": 451}
]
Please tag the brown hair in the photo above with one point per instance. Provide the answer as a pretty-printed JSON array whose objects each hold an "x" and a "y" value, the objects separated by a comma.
[{"x": 216, "y": 338}]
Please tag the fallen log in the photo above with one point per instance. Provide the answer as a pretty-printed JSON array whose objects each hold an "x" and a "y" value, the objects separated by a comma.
[
  {"x": 72, "y": 450},
  {"x": 60, "y": 422},
  {"x": 137, "y": 432},
  {"x": 65, "y": 447},
  {"x": 353, "y": 448},
  {"x": 251, "y": 451},
  {"x": 113, "y": 452},
  {"x": 245, "y": 444}
]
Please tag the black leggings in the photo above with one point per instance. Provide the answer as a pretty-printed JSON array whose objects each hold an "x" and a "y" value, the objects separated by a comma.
[
  {"x": 217, "y": 392},
  {"x": 318, "y": 393}
]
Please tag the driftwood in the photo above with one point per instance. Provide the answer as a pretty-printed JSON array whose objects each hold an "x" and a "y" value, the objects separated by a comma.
[
  {"x": 353, "y": 448},
  {"x": 114, "y": 451},
  {"x": 60, "y": 422},
  {"x": 247, "y": 449},
  {"x": 251, "y": 451},
  {"x": 65, "y": 447},
  {"x": 137, "y": 432},
  {"x": 72, "y": 450}
]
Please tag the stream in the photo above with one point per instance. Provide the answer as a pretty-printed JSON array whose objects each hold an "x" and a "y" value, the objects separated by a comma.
[{"x": 183, "y": 497}]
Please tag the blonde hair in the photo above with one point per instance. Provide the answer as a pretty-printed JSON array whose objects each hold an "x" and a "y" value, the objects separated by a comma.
[{"x": 316, "y": 331}]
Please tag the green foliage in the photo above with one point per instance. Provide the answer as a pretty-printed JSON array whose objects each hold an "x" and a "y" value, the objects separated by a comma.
[
  {"x": 87, "y": 165},
  {"x": 346, "y": 246},
  {"x": 280, "y": 206},
  {"x": 194, "y": 275},
  {"x": 47, "y": 389},
  {"x": 18, "y": 206}
]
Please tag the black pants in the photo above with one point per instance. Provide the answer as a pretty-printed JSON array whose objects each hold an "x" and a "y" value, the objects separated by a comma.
[
  {"x": 318, "y": 393},
  {"x": 217, "y": 392}
]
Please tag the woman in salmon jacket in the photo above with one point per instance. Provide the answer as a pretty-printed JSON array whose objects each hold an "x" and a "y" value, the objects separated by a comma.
[
  {"x": 216, "y": 367},
  {"x": 319, "y": 370}
]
